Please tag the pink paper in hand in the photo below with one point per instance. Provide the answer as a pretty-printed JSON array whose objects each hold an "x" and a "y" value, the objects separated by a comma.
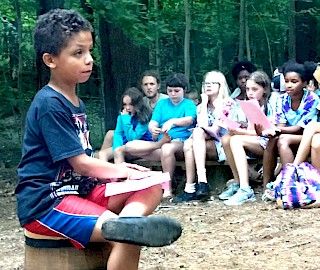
[
  {"x": 232, "y": 125},
  {"x": 116, "y": 188},
  {"x": 254, "y": 114}
]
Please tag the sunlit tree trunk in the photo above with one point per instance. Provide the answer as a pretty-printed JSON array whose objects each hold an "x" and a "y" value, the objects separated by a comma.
[
  {"x": 187, "y": 40},
  {"x": 291, "y": 30}
]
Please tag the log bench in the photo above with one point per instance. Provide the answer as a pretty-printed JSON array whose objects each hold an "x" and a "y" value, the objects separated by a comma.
[
  {"x": 55, "y": 253},
  {"x": 217, "y": 172}
]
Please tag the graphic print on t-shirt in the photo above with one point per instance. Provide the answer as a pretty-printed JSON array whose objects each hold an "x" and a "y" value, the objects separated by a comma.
[{"x": 68, "y": 182}]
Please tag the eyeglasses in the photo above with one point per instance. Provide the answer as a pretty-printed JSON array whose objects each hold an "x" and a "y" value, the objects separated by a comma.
[{"x": 210, "y": 83}]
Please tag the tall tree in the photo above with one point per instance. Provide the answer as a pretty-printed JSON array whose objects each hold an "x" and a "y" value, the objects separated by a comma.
[
  {"x": 122, "y": 60},
  {"x": 292, "y": 29},
  {"x": 157, "y": 38},
  {"x": 242, "y": 28},
  {"x": 187, "y": 40},
  {"x": 42, "y": 71}
]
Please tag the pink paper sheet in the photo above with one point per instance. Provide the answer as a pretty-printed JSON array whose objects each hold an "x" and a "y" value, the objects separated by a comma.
[
  {"x": 254, "y": 113},
  {"x": 115, "y": 188},
  {"x": 230, "y": 124}
]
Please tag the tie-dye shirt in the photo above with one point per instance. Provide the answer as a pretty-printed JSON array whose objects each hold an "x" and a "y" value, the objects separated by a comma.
[{"x": 306, "y": 112}]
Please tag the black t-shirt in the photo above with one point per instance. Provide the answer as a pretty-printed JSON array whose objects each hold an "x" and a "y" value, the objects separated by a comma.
[{"x": 55, "y": 131}]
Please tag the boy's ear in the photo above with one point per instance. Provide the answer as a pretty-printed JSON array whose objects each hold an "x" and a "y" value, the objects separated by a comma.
[{"x": 48, "y": 59}]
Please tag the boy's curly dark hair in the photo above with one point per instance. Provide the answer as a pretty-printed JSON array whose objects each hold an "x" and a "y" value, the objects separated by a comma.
[{"x": 55, "y": 28}]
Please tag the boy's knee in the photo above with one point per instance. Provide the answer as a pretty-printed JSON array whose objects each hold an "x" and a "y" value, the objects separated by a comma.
[{"x": 188, "y": 146}]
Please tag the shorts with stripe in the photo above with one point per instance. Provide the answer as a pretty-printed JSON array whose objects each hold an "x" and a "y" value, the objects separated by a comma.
[{"x": 73, "y": 218}]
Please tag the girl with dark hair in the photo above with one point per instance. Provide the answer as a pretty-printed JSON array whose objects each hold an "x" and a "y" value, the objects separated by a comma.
[
  {"x": 295, "y": 109},
  {"x": 132, "y": 123}
]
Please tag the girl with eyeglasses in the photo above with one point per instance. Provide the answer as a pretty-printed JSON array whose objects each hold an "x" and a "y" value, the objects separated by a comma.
[{"x": 205, "y": 141}]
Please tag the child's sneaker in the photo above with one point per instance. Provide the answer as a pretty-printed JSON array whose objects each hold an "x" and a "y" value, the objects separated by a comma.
[
  {"x": 242, "y": 196},
  {"x": 185, "y": 197},
  {"x": 229, "y": 191},
  {"x": 203, "y": 190},
  {"x": 151, "y": 231}
]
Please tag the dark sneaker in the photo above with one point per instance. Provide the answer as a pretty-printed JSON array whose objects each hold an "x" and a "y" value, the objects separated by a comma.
[
  {"x": 152, "y": 231},
  {"x": 203, "y": 190},
  {"x": 185, "y": 197}
]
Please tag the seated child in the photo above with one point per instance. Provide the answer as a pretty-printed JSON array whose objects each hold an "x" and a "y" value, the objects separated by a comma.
[
  {"x": 170, "y": 126},
  {"x": 58, "y": 193},
  {"x": 194, "y": 96},
  {"x": 295, "y": 109},
  {"x": 205, "y": 141},
  {"x": 132, "y": 124},
  {"x": 238, "y": 141}
]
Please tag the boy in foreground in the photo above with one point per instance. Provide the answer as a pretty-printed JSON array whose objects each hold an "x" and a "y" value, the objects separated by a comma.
[{"x": 58, "y": 192}]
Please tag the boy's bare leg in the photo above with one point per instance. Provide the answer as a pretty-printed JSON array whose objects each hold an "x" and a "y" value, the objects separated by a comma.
[
  {"x": 140, "y": 203},
  {"x": 168, "y": 160}
]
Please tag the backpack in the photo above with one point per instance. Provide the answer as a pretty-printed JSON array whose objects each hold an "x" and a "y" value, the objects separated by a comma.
[{"x": 298, "y": 186}]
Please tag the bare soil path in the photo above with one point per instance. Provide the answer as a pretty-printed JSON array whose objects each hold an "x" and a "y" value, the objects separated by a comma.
[{"x": 252, "y": 236}]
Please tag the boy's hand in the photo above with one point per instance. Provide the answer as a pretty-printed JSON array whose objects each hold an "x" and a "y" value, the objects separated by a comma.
[
  {"x": 135, "y": 167},
  {"x": 167, "y": 125},
  {"x": 137, "y": 172}
]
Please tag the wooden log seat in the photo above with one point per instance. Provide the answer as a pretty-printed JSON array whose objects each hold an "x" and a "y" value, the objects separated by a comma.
[{"x": 53, "y": 253}]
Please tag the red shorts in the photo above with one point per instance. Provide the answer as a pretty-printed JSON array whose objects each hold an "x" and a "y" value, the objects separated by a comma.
[{"x": 73, "y": 218}]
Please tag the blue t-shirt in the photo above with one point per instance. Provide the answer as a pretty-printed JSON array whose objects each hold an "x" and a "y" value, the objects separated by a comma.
[
  {"x": 128, "y": 129},
  {"x": 166, "y": 110},
  {"x": 55, "y": 131}
]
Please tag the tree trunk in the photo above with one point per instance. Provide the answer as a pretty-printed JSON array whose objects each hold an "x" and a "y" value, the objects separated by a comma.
[
  {"x": 122, "y": 62},
  {"x": 291, "y": 30},
  {"x": 306, "y": 34},
  {"x": 241, "y": 30},
  {"x": 157, "y": 41},
  {"x": 43, "y": 74},
  {"x": 220, "y": 39},
  {"x": 247, "y": 31},
  {"x": 187, "y": 40},
  {"x": 20, "y": 67}
]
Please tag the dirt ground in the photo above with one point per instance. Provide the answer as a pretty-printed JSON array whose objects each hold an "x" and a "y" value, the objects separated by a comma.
[{"x": 252, "y": 236}]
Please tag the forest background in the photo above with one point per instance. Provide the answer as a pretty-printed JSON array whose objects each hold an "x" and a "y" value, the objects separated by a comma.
[{"x": 188, "y": 36}]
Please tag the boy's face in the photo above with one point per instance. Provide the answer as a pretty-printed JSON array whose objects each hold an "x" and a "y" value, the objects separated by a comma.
[
  {"x": 176, "y": 94},
  {"x": 74, "y": 63}
]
